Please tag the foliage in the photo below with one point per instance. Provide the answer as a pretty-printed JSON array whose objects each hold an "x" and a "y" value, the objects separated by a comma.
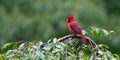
[
  {"x": 69, "y": 49},
  {"x": 44, "y": 19},
  {"x": 57, "y": 51}
]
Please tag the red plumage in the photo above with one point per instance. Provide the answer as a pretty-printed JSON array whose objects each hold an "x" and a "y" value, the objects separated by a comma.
[{"x": 75, "y": 29}]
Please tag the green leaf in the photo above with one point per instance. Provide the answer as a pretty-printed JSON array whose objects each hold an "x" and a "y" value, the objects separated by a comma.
[
  {"x": 106, "y": 33},
  {"x": 21, "y": 45},
  {"x": 117, "y": 56},
  {"x": 103, "y": 46},
  {"x": 95, "y": 32},
  {"x": 111, "y": 31},
  {"x": 100, "y": 52},
  {"x": 49, "y": 41},
  {"x": 11, "y": 52},
  {"x": 55, "y": 40},
  {"x": 7, "y": 45},
  {"x": 84, "y": 32},
  {"x": 1, "y": 56}
]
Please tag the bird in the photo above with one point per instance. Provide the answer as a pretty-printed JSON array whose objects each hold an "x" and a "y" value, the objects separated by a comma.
[{"x": 75, "y": 29}]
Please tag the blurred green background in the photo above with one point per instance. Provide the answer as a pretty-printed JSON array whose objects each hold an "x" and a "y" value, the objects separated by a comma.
[{"x": 29, "y": 20}]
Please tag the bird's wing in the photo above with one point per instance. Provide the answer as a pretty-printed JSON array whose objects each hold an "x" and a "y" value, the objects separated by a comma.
[
  {"x": 77, "y": 30},
  {"x": 75, "y": 26}
]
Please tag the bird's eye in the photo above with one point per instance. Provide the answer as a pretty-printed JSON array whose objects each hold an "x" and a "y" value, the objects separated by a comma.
[{"x": 68, "y": 20}]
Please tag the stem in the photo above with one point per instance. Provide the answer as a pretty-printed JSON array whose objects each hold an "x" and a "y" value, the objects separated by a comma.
[{"x": 91, "y": 42}]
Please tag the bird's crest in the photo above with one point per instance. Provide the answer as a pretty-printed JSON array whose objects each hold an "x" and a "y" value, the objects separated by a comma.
[{"x": 71, "y": 18}]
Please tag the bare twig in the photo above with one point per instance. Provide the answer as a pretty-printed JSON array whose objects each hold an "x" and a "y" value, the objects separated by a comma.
[
  {"x": 91, "y": 42},
  {"x": 65, "y": 37}
]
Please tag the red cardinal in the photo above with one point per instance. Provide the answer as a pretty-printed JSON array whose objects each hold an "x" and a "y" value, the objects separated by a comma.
[{"x": 75, "y": 29}]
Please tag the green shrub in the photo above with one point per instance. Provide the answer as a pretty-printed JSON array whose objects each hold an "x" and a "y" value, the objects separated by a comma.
[{"x": 53, "y": 49}]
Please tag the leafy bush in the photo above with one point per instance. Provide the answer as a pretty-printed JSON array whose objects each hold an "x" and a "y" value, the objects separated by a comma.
[{"x": 53, "y": 49}]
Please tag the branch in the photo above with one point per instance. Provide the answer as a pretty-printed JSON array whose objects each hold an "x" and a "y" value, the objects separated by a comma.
[{"x": 91, "y": 42}]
